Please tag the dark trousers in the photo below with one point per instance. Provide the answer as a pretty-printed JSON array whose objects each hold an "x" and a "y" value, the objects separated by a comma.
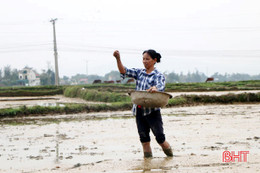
[{"x": 152, "y": 121}]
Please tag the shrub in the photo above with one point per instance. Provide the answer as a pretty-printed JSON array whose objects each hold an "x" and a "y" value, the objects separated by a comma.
[{"x": 94, "y": 95}]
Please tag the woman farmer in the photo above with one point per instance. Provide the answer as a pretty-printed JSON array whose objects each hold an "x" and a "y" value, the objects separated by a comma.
[{"x": 151, "y": 80}]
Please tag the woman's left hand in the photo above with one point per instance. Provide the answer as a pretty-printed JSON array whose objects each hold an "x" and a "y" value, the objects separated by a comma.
[{"x": 152, "y": 89}]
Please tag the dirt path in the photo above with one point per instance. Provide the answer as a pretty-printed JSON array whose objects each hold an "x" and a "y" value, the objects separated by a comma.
[{"x": 198, "y": 135}]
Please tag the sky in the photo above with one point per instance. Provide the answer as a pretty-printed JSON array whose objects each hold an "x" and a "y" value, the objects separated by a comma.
[{"x": 206, "y": 35}]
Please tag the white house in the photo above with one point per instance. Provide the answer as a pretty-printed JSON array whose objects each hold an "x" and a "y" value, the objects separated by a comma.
[{"x": 29, "y": 74}]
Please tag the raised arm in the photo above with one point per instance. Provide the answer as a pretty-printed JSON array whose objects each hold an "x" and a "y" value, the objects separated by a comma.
[{"x": 120, "y": 66}]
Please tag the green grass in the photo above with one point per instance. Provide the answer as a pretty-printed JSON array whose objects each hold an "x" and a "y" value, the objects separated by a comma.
[
  {"x": 210, "y": 99},
  {"x": 30, "y": 91},
  {"x": 214, "y": 86},
  {"x": 95, "y": 95},
  {"x": 67, "y": 109},
  {"x": 171, "y": 87}
]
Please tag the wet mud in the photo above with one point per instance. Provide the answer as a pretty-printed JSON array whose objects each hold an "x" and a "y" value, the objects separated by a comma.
[
  {"x": 217, "y": 93},
  {"x": 57, "y": 100},
  {"x": 108, "y": 141}
]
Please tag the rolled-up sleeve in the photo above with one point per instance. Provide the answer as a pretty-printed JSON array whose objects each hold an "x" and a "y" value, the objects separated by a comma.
[
  {"x": 160, "y": 82},
  {"x": 130, "y": 73}
]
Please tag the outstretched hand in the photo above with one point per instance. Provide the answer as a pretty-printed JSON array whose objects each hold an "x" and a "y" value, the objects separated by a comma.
[
  {"x": 116, "y": 54},
  {"x": 152, "y": 89}
]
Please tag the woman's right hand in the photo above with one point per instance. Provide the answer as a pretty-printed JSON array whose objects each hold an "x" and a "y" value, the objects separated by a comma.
[
  {"x": 117, "y": 54},
  {"x": 120, "y": 66}
]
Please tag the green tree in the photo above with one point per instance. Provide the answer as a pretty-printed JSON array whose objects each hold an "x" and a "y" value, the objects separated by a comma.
[
  {"x": 76, "y": 78},
  {"x": 172, "y": 77},
  {"x": 1, "y": 75},
  {"x": 7, "y": 72},
  {"x": 14, "y": 75},
  {"x": 66, "y": 80},
  {"x": 47, "y": 78},
  {"x": 113, "y": 75}
]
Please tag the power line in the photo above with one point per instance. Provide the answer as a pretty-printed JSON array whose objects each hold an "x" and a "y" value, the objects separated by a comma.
[
  {"x": 166, "y": 52},
  {"x": 22, "y": 46},
  {"x": 24, "y": 50}
]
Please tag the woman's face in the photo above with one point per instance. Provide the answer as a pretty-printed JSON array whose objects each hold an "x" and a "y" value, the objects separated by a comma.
[{"x": 148, "y": 61}]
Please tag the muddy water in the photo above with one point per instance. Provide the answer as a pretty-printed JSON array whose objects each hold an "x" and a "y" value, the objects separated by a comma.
[
  {"x": 77, "y": 143},
  {"x": 217, "y": 93},
  {"x": 57, "y": 100}
]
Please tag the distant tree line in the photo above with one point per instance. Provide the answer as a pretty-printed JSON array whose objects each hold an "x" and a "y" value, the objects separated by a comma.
[
  {"x": 201, "y": 77},
  {"x": 10, "y": 77},
  {"x": 175, "y": 77},
  {"x": 113, "y": 75}
]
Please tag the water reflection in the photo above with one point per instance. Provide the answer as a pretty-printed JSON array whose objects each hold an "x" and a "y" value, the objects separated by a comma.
[
  {"x": 155, "y": 165},
  {"x": 51, "y": 104}
]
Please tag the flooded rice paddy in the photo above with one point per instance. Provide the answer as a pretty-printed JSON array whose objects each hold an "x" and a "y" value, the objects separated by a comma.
[
  {"x": 108, "y": 141},
  {"x": 57, "y": 100},
  {"x": 217, "y": 93}
]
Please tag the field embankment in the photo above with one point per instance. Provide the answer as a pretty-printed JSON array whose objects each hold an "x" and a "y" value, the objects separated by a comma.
[
  {"x": 114, "y": 97},
  {"x": 214, "y": 86},
  {"x": 96, "y": 95},
  {"x": 125, "y": 88},
  {"x": 183, "y": 100},
  {"x": 30, "y": 91}
]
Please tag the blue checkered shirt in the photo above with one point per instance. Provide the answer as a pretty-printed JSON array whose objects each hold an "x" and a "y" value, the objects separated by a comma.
[{"x": 145, "y": 81}]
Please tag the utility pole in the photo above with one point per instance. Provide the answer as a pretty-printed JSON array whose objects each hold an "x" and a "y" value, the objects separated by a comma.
[{"x": 55, "y": 53}]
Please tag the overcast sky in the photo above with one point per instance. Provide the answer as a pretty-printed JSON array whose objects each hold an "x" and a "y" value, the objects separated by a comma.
[{"x": 205, "y": 35}]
